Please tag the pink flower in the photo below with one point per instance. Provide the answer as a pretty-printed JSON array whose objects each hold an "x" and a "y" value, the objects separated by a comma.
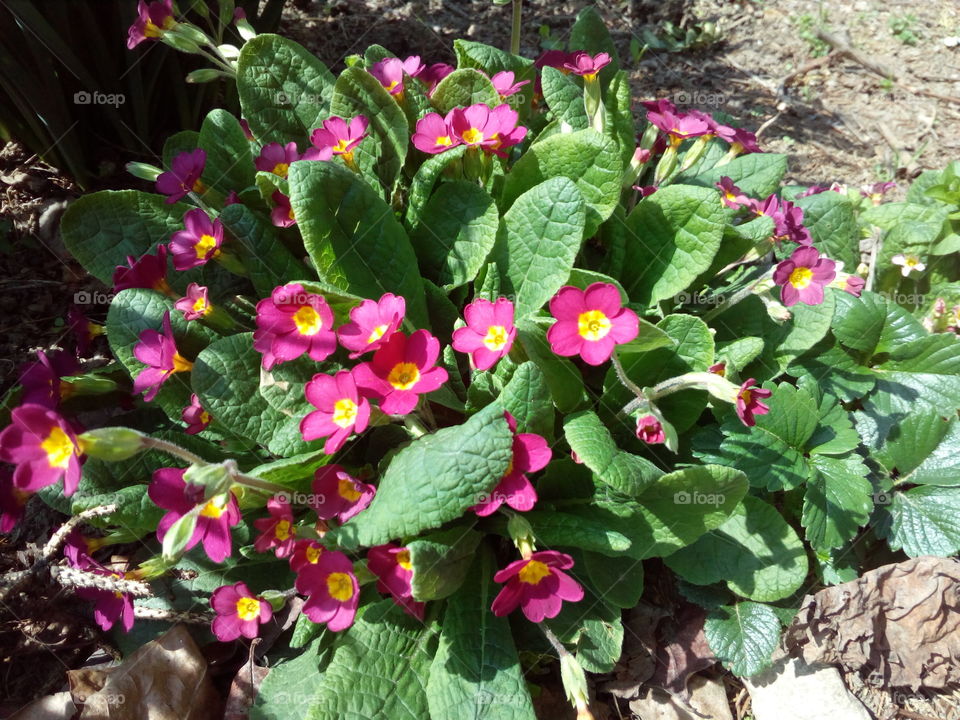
[
  {"x": 12, "y": 500},
  {"x": 84, "y": 330},
  {"x": 803, "y": 276},
  {"x": 79, "y": 549},
  {"x": 184, "y": 178},
  {"x": 341, "y": 411},
  {"x": 556, "y": 59},
  {"x": 391, "y": 564},
  {"x": 663, "y": 105},
  {"x": 158, "y": 351},
  {"x": 152, "y": 20},
  {"x": 538, "y": 585},
  {"x": 401, "y": 370},
  {"x": 489, "y": 333},
  {"x": 787, "y": 219},
  {"x": 719, "y": 368},
  {"x": 149, "y": 272},
  {"x": 239, "y": 612},
  {"x": 292, "y": 322},
  {"x": 678, "y": 126},
  {"x": 305, "y": 552},
  {"x": 338, "y": 495},
  {"x": 586, "y": 65},
  {"x": 389, "y": 72},
  {"x": 743, "y": 142},
  {"x": 590, "y": 322},
  {"x": 195, "y": 416},
  {"x": 282, "y": 213},
  {"x": 276, "y": 158},
  {"x": 41, "y": 380},
  {"x": 371, "y": 324},
  {"x": 645, "y": 190},
  {"x": 748, "y": 402},
  {"x": 475, "y": 126},
  {"x": 854, "y": 285},
  {"x": 876, "y": 191},
  {"x": 503, "y": 83},
  {"x": 731, "y": 195},
  {"x": 44, "y": 447},
  {"x": 247, "y": 133},
  {"x": 169, "y": 491},
  {"x": 650, "y": 430},
  {"x": 339, "y": 135},
  {"x": 434, "y": 134},
  {"x": 433, "y": 74},
  {"x": 200, "y": 241},
  {"x": 109, "y": 606},
  {"x": 530, "y": 453},
  {"x": 277, "y": 531},
  {"x": 507, "y": 133},
  {"x": 195, "y": 304},
  {"x": 332, "y": 590}
]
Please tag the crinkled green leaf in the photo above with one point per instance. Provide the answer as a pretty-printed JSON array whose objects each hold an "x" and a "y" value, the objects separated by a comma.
[
  {"x": 558, "y": 529},
  {"x": 421, "y": 187},
  {"x": 561, "y": 375},
  {"x": 440, "y": 562},
  {"x": 829, "y": 218},
  {"x": 267, "y": 259},
  {"x": 617, "y": 579},
  {"x": 564, "y": 98},
  {"x": 229, "y": 159},
  {"x": 837, "y": 501},
  {"x": 757, "y": 175},
  {"x": 527, "y": 397},
  {"x": 463, "y": 88},
  {"x": 924, "y": 520},
  {"x": 924, "y": 449},
  {"x": 743, "y": 636}
]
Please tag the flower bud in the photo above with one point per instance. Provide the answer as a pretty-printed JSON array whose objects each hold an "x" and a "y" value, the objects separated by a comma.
[
  {"x": 204, "y": 75},
  {"x": 144, "y": 171},
  {"x": 179, "y": 534},
  {"x": 112, "y": 443},
  {"x": 575, "y": 685},
  {"x": 214, "y": 479}
]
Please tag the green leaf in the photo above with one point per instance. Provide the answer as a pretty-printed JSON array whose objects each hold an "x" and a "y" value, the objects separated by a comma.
[
  {"x": 463, "y": 88},
  {"x": 589, "y": 34},
  {"x": 284, "y": 90},
  {"x": 589, "y": 159},
  {"x": 287, "y": 471},
  {"x": 379, "y": 669},
  {"x": 229, "y": 159},
  {"x": 440, "y": 562},
  {"x": 544, "y": 230},
  {"x": 492, "y": 60},
  {"x": 743, "y": 636},
  {"x": 924, "y": 520},
  {"x": 353, "y": 237},
  {"x": 872, "y": 324},
  {"x": 135, "y": 512},
  {"x": 672, "y": 238},
  {"x": 267, "y": 259},
  {"x": 357, "y": 92},
  {"x": 837, "y": 501},
  {"x": 618, "y": 580},
  {"x": 559, "y": 529},
  {"x": 561, "y": 375},
  {"x": 423, "y": 182},
  {"x": 594, "y": 629},
  {"x": 923, "y": 447},
  {"x": 889, "y": 215},
  {"x": 457, "y": 231},
  {"x": 527, "y": 397},
  {"x": 290, "y": 687},
  {"x": 476, "y": 672},
  {"x": 465, "y": 461},
  {"x": 755, "y": 552},
  {"x": 624, "y": 472},
  {"x": 757, "y": 175},
  {"x": 305, "y": 631},
  {"x": 564, "y": 98},
  {"x": 829, "y": 218}
]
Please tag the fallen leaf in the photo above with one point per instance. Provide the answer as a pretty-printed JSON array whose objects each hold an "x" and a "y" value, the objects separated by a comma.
[
  {"x": 707, "y": 700},
  {"x": 682, "y": 650},
  {"x": 245, "y": 686}
]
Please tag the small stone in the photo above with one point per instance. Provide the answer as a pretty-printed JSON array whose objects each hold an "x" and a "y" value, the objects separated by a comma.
[{"x": 793, "y": 690}]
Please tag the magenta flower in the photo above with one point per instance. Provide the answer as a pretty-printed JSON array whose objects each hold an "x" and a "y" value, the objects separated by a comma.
[
  {"x": 199, "y": 242},
  {"x": 803, "y": 276},
  {"x": 341, "y": 410},
  {"x": 332, "y": 590},
  {"x": 731, "y": 195},
  {"x": 292, "y": 322},
  {"x": 338, "y": 495},
  {"x": 169, "y": 491},
  {"x": 41, "y": 380},
  {"x": 586, "y": 65},
  {"x": 876, "y": 191},
  {"x": 787, "y": 219},
  {"x": 743, "y": 142},
  {"x": 530, "y": 453},
  {"x": 276, "y": 158},
  {"x": 282, "y": 213},
  {"x": 78, "y": 550},
  {"x": 239, "y": 612},
  {"x": 44, "y": 447},
  {"x": 152, "y": 20},
  {"x": 503, "y": 83},
  {"x": 247, "y": 132},
  {"x": 149, "y": 272},
  {"x": 391, "y": 564},
  {"x": 434, "y": 134},
  {"x": 556, "y": 59},
  {"x": 537, "y": 585},
  {"x": 749, "y": 402},
  {"x": 340, "y": 136},
  {"x": 195, "y": 304},
  {"x": 277, "y": 531},
  {"x": 433, "y": 74},
  {"x": 371, "y": 324},
  {"x": 678, "y": 126},
  {"x": 109, "y": 606},
  {"x": 646, "y": 190},
  {"x": 854, "y": 285},
  {"x": 489, "y": 333},
  {"x": 507, "y": 133},
  {"x": 84, "y": 330},
  {"x": 389, "y": 72},
  {"x": 590, "y": 322},
  {"x": 663, "y": 105},
  {"x": 650, "y": 430},
  {"x": 719, "y": 368},
  {"x": 158, "y": 351},
  {"x": 401, "y": 370},
  {"x": 195, "y": 416},
  {"x": 305, "y": 552},
  {"x": 475, "y": 126},
  {"x": 184, "y": 177},
  {"x": 12, "y": 500}
]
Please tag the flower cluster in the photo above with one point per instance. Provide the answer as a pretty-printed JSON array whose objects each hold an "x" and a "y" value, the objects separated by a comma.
[{"x": 478, "y": 126}]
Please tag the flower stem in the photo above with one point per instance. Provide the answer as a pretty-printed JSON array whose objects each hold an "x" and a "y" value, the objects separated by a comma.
[
  {"x": 173, "y": 449},
  {"x": 414, "y": 426},
  {"x": 622, "y": 377},
  {"x": 515, "y": 32}
]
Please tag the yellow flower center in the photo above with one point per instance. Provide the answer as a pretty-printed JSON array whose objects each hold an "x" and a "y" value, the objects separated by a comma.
[
  {"x": 312, "y": 553},
  {"x": 444, "y": 140},
  {"x": 284, "y": 530},
  {"x": 94, "y": 330},
  {"x": 344, "y": 412},
  {"x": 495, "y": 338},
  {"x": 472, "y": 136},
  {"x": 341, "y": 147},
  {"x": 911, "y": 261},
  {"x": 801, "y": 277},
  {"x": 392, "y": 85},
  {"x": 746, "y": 396},
  {"x": 59, "y": 448},
  {"x": 211, "y": 510},
  {"x": 199, "y": 187},
  {"x": 150, "y": 30},
  {"x": 308, "y": 321},
  {"x": 201, "y": 306},
  {"x": 340, "y": 586},
  {"x": 290, "y": 214},
  {"x": 181, "y": 364},
  {"x": 205, "y": 417},
  {"x": 593, "y": 325},
  {"x": 248, "y": 608},
  {"x": 533, "y": 572},
  {"x": 509, "y": 467},
  {"x": 281, "y": 169},
  {"x": 403, "y": 559},
  {"x": 347, "y": 490},
  {"x": 589, "y": 77},
  {"x": 204, "y": 245},
  {"x": 404, "y": 376},
  {"x": 377, "y": 333}
]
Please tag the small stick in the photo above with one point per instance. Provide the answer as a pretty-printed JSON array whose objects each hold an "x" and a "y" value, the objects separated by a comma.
[
  {"x": 149, "y": 613},
  {"x": 71, "y": 577}
]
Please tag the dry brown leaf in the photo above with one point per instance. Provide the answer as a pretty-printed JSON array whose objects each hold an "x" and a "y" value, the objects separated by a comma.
[
  {"x": 707, "y": 700},
  {"x": 245, "y": 685},
  {"x": 682, "y": 650},
  {"x": 166, "y": 679},
  {"x": 900, "y": 621}
]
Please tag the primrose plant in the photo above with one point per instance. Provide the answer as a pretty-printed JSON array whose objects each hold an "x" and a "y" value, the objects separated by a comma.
[{"x": 449, "y": 352}]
